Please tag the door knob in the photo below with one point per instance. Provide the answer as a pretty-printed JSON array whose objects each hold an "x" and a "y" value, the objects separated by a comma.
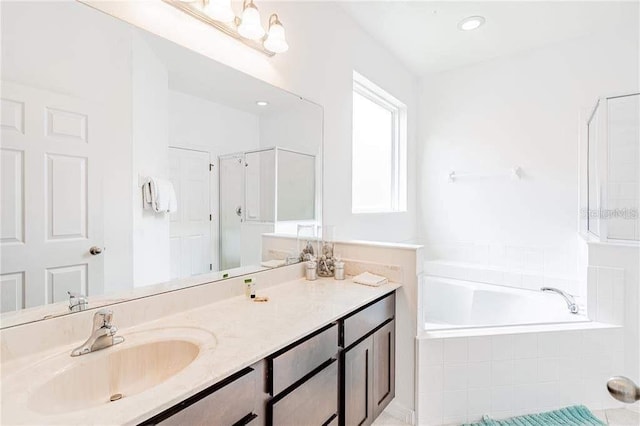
[
  {"x": 239, "y": 211},
  {"x": 95, "y": 250}
]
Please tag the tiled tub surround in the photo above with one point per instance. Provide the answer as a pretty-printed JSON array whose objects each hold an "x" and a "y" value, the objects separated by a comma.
[
  {"x": 451, "y": 304},
  {"x": 601, "y": 299},
  {"x": 463, "y": 378},
  {"x": 243, "y": 332}
]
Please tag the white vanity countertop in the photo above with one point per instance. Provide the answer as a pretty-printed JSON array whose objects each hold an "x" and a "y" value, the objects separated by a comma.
[{"x": 232, "y": 333}]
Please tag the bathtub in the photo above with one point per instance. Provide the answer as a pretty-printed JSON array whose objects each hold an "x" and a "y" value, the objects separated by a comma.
[{"x": 453, "y": 304}]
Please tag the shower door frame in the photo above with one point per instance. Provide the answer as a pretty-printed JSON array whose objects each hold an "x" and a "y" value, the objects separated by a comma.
[{"x": 599, "y": 110}]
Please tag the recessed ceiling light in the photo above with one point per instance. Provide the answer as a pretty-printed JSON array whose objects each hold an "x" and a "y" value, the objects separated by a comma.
[
  {"x": 471, "y": 23},
  {"x": 262, "y": 103}
]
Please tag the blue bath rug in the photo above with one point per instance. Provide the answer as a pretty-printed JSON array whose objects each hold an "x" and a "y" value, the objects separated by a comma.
[{"x": 577, "y": 415}]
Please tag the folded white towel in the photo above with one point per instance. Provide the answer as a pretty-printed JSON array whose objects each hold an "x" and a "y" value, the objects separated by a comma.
[
  {"x": 367, "y": 278},
  {"x": 275, "y": 263},
  {"x": 159, "y": 196}
]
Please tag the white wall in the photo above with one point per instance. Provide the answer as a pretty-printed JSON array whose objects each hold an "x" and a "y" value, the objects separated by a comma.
[
  {"x": 150, "y": 104},
  {"x": 522, "y": 110}
]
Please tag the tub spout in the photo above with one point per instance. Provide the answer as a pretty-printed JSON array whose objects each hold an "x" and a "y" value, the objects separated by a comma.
[{"x": 571, "y": 303}]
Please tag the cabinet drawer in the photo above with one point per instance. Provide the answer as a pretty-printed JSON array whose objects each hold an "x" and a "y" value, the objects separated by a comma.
[
  {"x": 231, "y": 404},
  {"x": 315, "y": 402},
  {"x": 363, "y": 322},
  {"x": 291, "y": 365}
]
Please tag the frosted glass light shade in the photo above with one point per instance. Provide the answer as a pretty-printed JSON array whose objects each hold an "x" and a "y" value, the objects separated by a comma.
[
  {"x": 276, "y": 41},
  {"x": 250, "y": 26},
  {"x": 220, "y": 10}
]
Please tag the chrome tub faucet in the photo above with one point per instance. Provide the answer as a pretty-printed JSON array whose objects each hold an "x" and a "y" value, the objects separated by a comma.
[
  {"x": 571, "y": 302},
  {"x": 102, "y": 336}
]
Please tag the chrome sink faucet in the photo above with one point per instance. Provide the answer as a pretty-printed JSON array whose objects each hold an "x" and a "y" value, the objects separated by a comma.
[
  {"x": 77, "y": 302},
  {"x": 571, "y": 302},
  {"x": 102, "y": 336}
]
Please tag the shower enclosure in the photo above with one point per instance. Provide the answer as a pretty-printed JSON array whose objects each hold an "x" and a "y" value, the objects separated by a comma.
[
  {"x": 610, "y": 174},
  {"x": 262, "y": 191}
]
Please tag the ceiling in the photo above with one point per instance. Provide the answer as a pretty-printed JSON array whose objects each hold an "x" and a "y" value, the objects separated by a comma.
[{"x": 424, "y": 35}]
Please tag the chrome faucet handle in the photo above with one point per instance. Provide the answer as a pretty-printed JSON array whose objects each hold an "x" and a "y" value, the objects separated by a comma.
[
  {"x": 77, "y": 301},
  {"x": 102, "y": 319}
]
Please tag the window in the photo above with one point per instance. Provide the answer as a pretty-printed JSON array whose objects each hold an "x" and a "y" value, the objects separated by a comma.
[{"x": 379, "y": 172}]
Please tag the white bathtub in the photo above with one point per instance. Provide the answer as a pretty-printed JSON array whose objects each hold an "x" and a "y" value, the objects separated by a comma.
[{"x": 452, "y": 304}]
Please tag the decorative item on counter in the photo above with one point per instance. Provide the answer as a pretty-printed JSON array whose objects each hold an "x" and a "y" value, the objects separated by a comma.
[
  {"x": 326, "y": 261},
  {"x": 339, "y": 271},
  {"x": 307, "y": 236},
  {"x": 249, "y": 289},
  {"x": 311, "y": 270}
]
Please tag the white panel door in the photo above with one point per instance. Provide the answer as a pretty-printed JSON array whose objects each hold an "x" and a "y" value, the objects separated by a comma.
[
  {"x": 51, "y": 197},
  {"x": 190, "y": 229}
]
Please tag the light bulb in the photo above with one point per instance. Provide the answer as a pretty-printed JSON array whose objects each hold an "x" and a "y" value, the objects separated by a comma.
[
  {"x": 276, "y": 41},
  {"x": 250, "y": 26},
  {"x": 220, "y": 10},
  {"x": 471, "y": 23}
]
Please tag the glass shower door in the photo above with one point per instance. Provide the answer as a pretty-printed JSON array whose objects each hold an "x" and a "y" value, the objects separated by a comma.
[{"x": 231, "y": 210}]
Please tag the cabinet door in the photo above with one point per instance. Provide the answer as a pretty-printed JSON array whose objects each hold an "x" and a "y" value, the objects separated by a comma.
[
  {"x": 358, "y": 384},
  {"x": 230, "y": 402},
  {"x": 384, "y": 377},
  {"x": 314, "y": 402}
]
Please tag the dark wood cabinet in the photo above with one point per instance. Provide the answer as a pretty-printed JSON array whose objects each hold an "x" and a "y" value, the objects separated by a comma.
[
  {"x": 368, "y": 362},
  {"x": 358, "y": 383},
  {"x": 342, "y": 374}
]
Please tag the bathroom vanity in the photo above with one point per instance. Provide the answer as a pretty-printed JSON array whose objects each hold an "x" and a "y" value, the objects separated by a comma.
[
  {"x": 319, "y": 352},
  {"x": 341, "y": 374}
]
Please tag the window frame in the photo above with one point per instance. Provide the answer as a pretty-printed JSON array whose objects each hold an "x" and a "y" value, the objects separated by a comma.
[{"x": 369, "y": 90}]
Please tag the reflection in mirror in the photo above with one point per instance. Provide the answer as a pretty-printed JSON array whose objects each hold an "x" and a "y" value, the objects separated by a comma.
[{"x": 132, "y": 165}]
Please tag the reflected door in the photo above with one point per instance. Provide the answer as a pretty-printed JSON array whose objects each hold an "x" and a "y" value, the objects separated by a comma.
[
  {"x": 231, "y": 208},
  {"x": 51, "y": 197},
  {"x": 190, "y": 228}
]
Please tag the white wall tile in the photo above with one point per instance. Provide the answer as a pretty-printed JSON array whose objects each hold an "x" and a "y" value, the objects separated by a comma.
[
  {"x": 430, "y": 411},
  {"x": 502, "y": 372},
  {"x": 525, "y": 371},
  {"x": 548, "y": 344},
  {"x": 455, "y": 350},
  {"x": 431, "y": 378},
  {"x": 502, "y": 347},
  {"x": 454, "y": 407},
  {"x": 570, "y": 370},
  {"x": 433, "y": 351},
  {"x": 548, "y": 369},
  {"x": 525, "y": 397},
  {"x": 479, "y": 348},
  {"x": 455, "y": 377},
  {"x": 478, "y": 403},
  {"x": 525, "y": 345},
  {"x": 501, "y": 398},
  {"x": 479, "y": 374}
]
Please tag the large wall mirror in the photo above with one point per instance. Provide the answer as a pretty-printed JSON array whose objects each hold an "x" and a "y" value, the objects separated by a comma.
[{"x": 132, "y": 165}]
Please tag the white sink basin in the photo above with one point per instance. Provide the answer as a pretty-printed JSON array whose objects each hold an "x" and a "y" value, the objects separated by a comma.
[{"x": 144, "y": 361}]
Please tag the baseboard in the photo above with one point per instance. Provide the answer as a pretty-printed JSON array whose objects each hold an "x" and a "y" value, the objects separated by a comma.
[{"x": 401, "y": 412}]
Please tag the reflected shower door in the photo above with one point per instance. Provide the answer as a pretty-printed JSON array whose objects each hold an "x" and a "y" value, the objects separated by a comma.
[{"x": 231, "y": 210}]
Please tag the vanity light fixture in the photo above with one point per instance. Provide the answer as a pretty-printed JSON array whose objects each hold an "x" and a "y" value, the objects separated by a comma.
[
  {"x": 247, "y": 27},
  {"x": 219, "y": 10},
  {"x": 471, "y": 23},
  {"x": 276, "y": 41}
]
